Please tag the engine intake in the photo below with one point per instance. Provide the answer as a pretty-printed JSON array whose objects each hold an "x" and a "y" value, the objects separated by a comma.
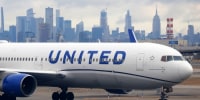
[{"x": 19, "y": 85}]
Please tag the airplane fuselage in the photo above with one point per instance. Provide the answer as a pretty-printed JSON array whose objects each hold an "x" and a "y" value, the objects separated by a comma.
[{"x": 96, "y": 65}]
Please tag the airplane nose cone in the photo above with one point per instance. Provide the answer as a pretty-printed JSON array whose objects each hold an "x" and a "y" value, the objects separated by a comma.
[{"x": 185, "y": 71}]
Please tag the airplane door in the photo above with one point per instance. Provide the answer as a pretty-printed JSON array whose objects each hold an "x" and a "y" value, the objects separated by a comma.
[{"x": 140, "y": 62}]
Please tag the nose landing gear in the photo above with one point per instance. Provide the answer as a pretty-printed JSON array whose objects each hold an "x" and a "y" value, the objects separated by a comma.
[{"x": 164, "y": 91}]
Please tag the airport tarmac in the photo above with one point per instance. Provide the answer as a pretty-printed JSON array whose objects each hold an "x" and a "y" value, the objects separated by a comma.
[
  {"x": 181, "y": 92},
  {"x": 188, "y": 90}
]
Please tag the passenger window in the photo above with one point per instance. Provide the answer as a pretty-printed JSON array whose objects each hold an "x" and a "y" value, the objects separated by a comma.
[
  {"x": 83, "y": 59},
  {"x": 169, "y": 58},
  {"x": 110, "y": 60},
  {"x": 97, "y": 60}
]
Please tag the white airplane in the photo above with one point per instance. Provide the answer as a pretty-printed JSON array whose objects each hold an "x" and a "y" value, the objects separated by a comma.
[{"x": 115, "y": 67}]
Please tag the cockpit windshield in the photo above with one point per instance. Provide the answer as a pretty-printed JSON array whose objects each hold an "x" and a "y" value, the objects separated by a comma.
[{"x": 171, "y": 58}]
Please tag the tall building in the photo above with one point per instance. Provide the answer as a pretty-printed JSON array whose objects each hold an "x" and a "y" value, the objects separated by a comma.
[
  {"x": 38, "y": 21},
  {"x": 59, "y": 22},
  {"x": 30, "y": 13},
  {"x": 69, "y": 32},
  {"x": 12, "y": 33},
  {"x": 30, "y": 24},
  {"x": 140, "y": 34},
  {"x": 96, "y": 34},
  {"x": 59, "y": 25},
  {"x": 85, "y": 36},
  {"x": 79, "y": 28},
  {"x": 2, "y": 20},
  {"x": 49, "y": 21},
  {"x": 20, "y": 28},
  {"x": 44, "y": 32},
  {"x": 57, "y": 13},
  {"x": 156, "y": 29},
  {"x": 169, "y": 28},
  {"x": 190, "y": 33},
  {"x": 104, "y": 25},
  {"x": 128, "y": 23},
  {"x": 67, "y": 24}
]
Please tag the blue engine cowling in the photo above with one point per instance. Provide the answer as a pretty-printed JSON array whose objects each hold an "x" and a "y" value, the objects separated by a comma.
[
  {"x": 19, "y": 85},
  {"x": 118, "y": 91}
]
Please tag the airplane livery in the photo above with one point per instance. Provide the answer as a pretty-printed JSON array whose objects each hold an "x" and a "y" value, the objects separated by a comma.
[
  {"x": 116, "y": 67},
  {"x": 104, "y": 55}
]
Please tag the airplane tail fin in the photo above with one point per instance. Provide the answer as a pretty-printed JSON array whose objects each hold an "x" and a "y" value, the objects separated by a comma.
[{"x": 132, "y": 36}]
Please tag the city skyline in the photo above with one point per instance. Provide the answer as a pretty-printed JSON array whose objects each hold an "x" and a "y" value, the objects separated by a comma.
[{"x": 87, "y": 11}]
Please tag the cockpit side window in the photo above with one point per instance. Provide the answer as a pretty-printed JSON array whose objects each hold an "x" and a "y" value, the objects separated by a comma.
[
  {"x": 164, "y": 58},
  {"x": 169, "y": 58},
  {"x": 178, "y": 58}
]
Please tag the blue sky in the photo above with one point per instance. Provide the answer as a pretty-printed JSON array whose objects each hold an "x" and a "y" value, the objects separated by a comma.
[{"x": 142, "y": 12}]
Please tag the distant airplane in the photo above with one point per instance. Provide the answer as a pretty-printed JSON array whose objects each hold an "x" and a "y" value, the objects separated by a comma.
[{"x": 115, "y": 67}]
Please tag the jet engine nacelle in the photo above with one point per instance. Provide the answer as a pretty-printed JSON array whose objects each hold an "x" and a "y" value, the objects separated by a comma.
[
  {"x": 18, "y": 84},
  {"x": 118, "y": 91}
]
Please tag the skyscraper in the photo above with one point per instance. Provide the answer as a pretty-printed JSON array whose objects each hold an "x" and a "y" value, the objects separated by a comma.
[
  {"x": 67, "y": 24},
  {"x": 156, "y": 26},
  {"x": 190, "y": 33},
  {"x": 20, "y": 28},
  {"x": 96, "y": 34},
  {"x": 30, "y": 24},
  {"x": 29, "y": 13},
  {"x": 128, "y": 24},
  {"x": 43, "y": 32},
  {"x": 69, "y": 32},
  {"x": 79, "y": 28},
  {"x": 49, "y": 21},
  {"x": 57, "y": 13},
  {"x": 38, "y": 22},
  {"x": 59, "y": 25},
  {"x": 85, "y": 36},
  {"x": 2, "y": 20},
  {"x": 12, "y": 33},
  {"x": 104, "y": 25}
]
